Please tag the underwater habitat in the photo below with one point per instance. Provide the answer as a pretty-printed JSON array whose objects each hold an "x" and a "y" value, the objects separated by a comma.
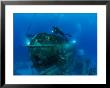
[{"x": 55, "y": 44}]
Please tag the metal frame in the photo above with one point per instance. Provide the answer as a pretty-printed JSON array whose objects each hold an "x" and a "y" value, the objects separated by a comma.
[{"x": 4, "y": 3}]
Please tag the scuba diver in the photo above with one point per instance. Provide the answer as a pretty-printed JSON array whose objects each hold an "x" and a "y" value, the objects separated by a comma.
[{"x": 56, "y": 30}]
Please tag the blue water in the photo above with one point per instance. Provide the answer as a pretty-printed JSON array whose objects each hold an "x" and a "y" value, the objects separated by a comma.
[{"x": 82, "y": 27}]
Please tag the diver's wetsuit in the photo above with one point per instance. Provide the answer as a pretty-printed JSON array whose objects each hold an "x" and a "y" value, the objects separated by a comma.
[{"x": 56, "y": 30}]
